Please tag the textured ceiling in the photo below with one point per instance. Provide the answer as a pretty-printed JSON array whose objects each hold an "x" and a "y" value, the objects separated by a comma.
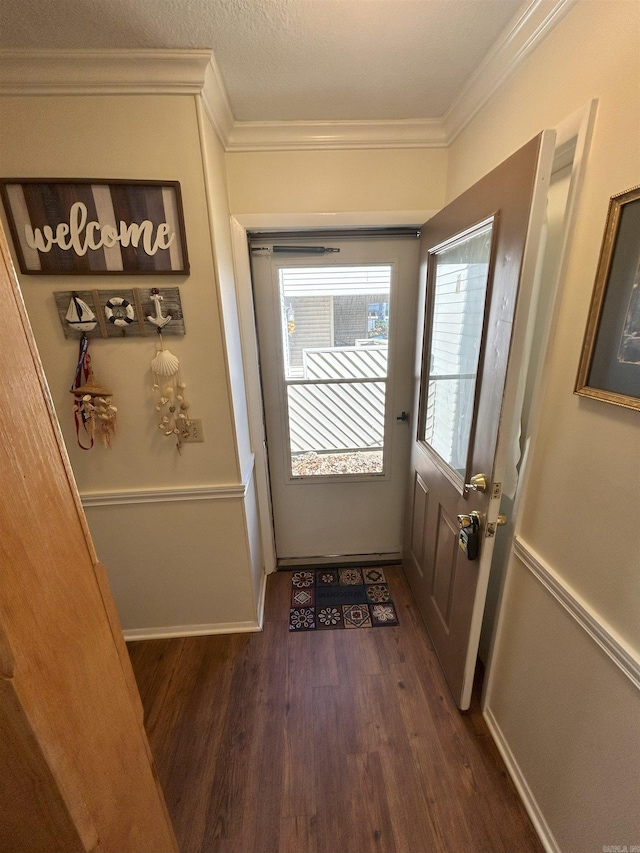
[{"x": 291, "y": 60}]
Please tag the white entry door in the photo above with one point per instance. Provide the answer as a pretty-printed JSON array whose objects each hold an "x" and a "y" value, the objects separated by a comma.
[
  {"x": 478, "y": 262},
  {"x": 335, "y": 338}
]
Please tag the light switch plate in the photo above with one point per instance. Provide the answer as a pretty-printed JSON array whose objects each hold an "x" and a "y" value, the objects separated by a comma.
[{"x": 196, "y": 432}]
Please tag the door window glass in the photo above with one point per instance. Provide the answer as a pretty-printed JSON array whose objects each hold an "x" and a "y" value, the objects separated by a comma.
[
  {"x": 335, "y": 336},
  {"x": 459, "y": 276}
]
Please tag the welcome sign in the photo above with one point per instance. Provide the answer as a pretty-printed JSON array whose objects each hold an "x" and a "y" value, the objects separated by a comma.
[{"x": 96, "y": 227}]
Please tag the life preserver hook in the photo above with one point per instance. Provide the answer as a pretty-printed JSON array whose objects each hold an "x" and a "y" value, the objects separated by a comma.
[{"x": 120, "y": 318}]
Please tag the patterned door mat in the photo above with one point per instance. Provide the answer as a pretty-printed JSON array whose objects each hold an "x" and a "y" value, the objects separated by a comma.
[{"x": 340, "y": 598}]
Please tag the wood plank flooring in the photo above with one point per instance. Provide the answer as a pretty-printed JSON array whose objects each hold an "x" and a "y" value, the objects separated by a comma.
[{"x": 323, "y": 742}]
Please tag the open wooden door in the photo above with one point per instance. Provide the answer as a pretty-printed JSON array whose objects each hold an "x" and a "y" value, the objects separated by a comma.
[
  {"x": 75, "y": 768},
  {"x": 477, "y": 262}
]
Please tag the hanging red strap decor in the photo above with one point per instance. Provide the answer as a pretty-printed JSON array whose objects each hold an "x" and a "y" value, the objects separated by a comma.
[{"x": 92, "y": 406}]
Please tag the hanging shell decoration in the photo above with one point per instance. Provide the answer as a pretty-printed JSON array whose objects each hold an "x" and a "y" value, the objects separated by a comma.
[
  {"x": 165, "y": 363},
  {"x": 98, "y": 414},
  {"x": 170, "y": 402}
]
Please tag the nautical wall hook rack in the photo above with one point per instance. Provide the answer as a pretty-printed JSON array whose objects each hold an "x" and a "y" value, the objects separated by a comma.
[
  {"x": 111, "y": 313},
  {"x": 158, "y": 320}
]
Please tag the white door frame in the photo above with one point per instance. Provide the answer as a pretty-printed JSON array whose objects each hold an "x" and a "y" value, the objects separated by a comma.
[{"x": 240, "y": 224}]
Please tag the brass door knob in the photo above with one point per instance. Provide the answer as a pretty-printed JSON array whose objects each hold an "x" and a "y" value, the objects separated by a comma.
[{"x": 465, "y": 520}]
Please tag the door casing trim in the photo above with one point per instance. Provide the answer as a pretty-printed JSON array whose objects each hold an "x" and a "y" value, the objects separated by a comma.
[{"x": 240, "y": 224}]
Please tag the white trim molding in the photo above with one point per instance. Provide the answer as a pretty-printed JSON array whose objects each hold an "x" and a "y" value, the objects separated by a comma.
[
  {"x": 318, "y": 135},
  {"x": 152, "y": 496},
  {"x": 536, "y": 20},
  {"x": 262, "y": 598},
  {"x": 142, "y": 72},
  {"x": 226, "y": 492},
  {"x": 604, "y": 635},
  {"x": 216, "y": 102},
  {"x": 190, "y": 631},
  {"x": 102, "y": 72}
]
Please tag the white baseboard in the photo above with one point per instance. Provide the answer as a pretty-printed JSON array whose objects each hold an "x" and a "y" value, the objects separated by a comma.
[
  {"x": 262, "y": 595},
  {"x": 191, "y": 630},
  {"x": 526, "y": 795},
  {"x": 378, "y": 559}
]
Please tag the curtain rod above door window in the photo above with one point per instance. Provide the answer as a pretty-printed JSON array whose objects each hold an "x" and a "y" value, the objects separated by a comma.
[
  {"x": 412, "y": 232},
  {"x": 294, "y": 250}
]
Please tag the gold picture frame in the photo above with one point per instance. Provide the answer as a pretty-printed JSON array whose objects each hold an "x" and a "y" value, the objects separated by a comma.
[{"x": 609, "y": 366}]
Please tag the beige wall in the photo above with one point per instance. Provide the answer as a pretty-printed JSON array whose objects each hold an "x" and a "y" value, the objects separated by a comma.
[
  {"x": 576, "y": 750},
  {"x": 570, "y": 719},
  {"x": 129, "y": 137},
  {"x": 177, "y": 563},
  {"x": 337, "y": 181}
]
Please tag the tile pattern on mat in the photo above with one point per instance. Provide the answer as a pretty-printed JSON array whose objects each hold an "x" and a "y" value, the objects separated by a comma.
[{"x": 323, "y": 599}]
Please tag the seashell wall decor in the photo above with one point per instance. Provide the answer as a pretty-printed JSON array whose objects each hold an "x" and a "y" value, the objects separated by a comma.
[
  {"x": 93, "y": 410},
  {"x": 165, "y": 363},
  {"x": 171, "y": 404}
]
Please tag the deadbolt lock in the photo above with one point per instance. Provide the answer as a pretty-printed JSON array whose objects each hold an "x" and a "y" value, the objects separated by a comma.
[{"x": 478, "y": 483}]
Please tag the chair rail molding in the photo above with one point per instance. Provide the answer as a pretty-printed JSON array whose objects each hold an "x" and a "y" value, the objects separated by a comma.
[
  {"x": 222, "y": 491},
  {"x": 150, "y": 71},
  {"x": 181, "y": 493},
  {"x": 615, "y": 647}
]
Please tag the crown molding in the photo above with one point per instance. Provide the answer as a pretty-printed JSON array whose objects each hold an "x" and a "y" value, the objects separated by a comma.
[
  {"x": 105, "y": 72},
  {"x": 300, "y": 135},
  {"x": 102, "y": 72},
  {"x": 534, "y": 23},
  {"x": 216, "y": 102}
]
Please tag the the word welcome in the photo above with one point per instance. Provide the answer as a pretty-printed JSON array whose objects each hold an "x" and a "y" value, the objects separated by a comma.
[{"x": 70, "y": 236}]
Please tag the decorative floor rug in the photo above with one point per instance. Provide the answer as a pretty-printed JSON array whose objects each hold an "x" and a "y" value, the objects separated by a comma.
[{"x": 340, "y": 598}]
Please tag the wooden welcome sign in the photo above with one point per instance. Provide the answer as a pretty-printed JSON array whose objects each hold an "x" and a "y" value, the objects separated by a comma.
[{"x": 96, "y": 227}]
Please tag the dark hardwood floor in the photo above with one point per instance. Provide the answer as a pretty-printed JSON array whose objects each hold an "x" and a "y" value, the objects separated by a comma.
[{"x": 331, "y": 742}]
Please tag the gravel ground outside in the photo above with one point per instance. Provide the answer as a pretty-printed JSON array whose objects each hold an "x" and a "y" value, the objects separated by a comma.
[{"x": 316, "y": 464}]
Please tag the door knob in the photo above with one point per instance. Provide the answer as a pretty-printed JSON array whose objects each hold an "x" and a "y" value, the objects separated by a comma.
[
  {"x": 478, "y": 483},
  {"x": 466, "y": 519}
]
